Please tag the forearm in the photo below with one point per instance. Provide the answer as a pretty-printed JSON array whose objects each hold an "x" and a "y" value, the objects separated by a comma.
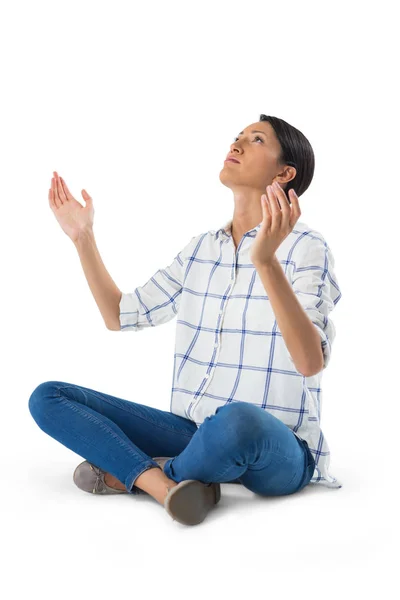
[
  {"x": 299, "y": 333},
  {"x": 105, "y": 292}
]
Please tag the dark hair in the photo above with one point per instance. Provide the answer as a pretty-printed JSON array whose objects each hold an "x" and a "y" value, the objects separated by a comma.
[{"x": 296, "y": 151}]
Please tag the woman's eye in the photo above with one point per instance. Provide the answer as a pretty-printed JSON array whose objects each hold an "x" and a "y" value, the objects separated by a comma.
[{"x": 257, "y": 137}]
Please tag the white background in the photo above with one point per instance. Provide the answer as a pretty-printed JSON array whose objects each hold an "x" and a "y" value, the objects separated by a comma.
[{"x": 138, "y": 103}]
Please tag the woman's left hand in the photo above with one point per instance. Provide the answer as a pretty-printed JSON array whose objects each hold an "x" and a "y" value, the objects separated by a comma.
[{"x": 276, "y": 225}]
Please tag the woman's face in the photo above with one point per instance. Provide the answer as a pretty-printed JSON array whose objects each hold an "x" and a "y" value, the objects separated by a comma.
[{"x": 257, "y": 150}]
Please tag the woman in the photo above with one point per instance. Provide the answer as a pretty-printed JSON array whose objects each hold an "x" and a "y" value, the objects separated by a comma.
[{"x": 252, "y": 339}]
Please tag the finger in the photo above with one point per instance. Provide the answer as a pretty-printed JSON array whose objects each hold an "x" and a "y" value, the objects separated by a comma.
[
  {"x": 55, "y": 176},
  {"x": 55, "y": 190},
  {"x": 61, "y": 193},
  {"x": 56, "y": 201},
  {"x": 296, "y": 212},
  {"x": 276, "y": 215},
  {"x": 286, "y": 210},
  {"x": 66, "y": 190},
  {"x": 295, "y": 198},
  {"x": 281, "y": 195},
  {"x": 265, "y": 207},
  {"x": 272, "y": 199},
  {"x": 50, "y": 196}
]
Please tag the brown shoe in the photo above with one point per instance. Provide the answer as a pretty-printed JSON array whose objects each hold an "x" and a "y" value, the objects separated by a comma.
[
  {"x": 90, "y": 478},
  {"x": 190, "y": 500}
]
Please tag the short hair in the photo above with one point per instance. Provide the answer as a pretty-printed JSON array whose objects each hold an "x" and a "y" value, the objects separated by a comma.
[{"x": 296, "y": 151}]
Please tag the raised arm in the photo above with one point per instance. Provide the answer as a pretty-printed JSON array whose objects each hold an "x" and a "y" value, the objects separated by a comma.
[{"x": 157, "y": 301}]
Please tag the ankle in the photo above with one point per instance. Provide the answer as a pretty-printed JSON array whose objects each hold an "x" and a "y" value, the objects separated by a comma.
[
  {"x": 155, "y": 482},
  {"x": 171, "y": 484},
  {"x": 113, "y": 482}
]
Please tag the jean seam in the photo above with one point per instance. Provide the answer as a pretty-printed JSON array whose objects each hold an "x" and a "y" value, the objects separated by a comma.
[
  {"x": 108, "y": 429},
  {"x": 85, "y": 440},
  {"x": 125, "y": 410},
  {"x": 131, "y": 485}
]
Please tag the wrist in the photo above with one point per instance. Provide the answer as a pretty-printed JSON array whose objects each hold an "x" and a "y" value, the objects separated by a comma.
[
  {"x": 85, "y": 236},
  {"x": 267, "y": 264}
]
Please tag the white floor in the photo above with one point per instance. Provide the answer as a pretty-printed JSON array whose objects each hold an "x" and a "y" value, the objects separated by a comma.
[{"x": 59, "y": 541}]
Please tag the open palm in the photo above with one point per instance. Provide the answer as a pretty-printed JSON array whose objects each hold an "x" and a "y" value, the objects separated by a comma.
[{"x": 73, "y": 218}]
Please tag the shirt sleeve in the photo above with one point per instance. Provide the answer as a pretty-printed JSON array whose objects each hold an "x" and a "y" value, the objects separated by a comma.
[
  {"x": 316, "y": 287},
  {"x": 157, "y": 301}
]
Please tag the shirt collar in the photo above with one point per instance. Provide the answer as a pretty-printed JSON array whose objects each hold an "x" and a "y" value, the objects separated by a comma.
[{"x": 226, "y": 229}]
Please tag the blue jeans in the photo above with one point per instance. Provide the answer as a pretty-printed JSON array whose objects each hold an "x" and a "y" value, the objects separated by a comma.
[{"x": 240, "y": 443}]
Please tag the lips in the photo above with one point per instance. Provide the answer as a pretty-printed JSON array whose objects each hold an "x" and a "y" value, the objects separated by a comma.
[{"x": 232, "y": 160}]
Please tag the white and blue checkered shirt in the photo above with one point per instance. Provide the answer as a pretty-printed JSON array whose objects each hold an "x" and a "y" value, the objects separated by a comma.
[{"x": 228, "y": 345}]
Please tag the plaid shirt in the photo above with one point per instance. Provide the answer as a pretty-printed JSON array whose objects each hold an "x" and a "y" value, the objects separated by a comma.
[{"x": 228, "y": 345}]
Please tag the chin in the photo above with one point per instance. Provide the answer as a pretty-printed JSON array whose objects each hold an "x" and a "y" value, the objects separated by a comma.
[
  {"x": 224, "y": 177},
  {"x": 225, "y": 183}
]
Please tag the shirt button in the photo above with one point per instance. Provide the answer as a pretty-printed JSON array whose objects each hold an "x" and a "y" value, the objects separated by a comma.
[
  {"x": 215, "y": 345},
  {"x": 207, "y": 375},
  {"x": 221, "y": 312}
]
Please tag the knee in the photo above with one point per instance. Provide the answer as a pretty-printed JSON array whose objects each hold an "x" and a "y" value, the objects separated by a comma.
[
  {"x": 242, "y": 420},
  {"x": 38, "y": 400}
]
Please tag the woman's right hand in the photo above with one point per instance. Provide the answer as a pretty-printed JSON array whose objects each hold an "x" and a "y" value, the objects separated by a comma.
[{"x": 74, "y": 218}]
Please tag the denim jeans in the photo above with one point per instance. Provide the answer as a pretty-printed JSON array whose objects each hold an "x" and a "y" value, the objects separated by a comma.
[{"x": 240, "y": 443}]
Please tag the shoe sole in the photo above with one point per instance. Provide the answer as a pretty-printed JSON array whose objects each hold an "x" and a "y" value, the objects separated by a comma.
[{"x": 190, "y": 500}]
